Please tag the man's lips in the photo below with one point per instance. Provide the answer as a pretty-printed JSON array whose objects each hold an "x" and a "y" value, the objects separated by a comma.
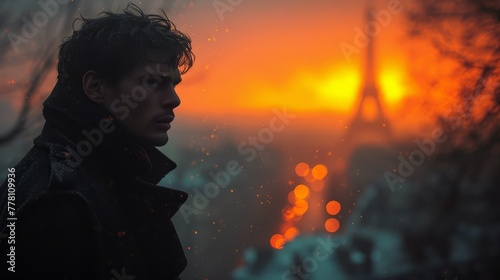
[{"x": 164, "y": 121}]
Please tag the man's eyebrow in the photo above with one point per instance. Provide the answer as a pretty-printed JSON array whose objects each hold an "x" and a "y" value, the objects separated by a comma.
[{"x": 176, "y": 79}]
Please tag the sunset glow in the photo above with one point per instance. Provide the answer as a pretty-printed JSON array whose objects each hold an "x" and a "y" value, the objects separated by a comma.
[
  {"x": 391, "y": 84},
  {"x": 286, "y": 70}
]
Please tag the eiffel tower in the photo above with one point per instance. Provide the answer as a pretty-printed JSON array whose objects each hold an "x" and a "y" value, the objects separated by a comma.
[{"x": 365, "y": 126}]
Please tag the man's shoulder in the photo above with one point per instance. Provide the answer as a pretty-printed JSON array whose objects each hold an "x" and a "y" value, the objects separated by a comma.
[
  {"x": 39, "y": 170},
  {"x": 29, "y": 177},
  {"x": 43, "y": 172}
]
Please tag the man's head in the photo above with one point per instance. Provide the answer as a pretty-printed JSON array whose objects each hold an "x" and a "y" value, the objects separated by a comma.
[{"x": 129, "y": 63}]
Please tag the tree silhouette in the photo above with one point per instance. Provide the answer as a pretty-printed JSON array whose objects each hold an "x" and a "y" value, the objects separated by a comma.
[{"x": 466, "y": 32}]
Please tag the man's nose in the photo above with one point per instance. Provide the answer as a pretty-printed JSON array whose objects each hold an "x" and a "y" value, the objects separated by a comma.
[{"x": 170, "y": 98}]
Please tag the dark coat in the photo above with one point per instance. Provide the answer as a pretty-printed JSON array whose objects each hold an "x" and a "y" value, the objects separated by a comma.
[{"x": 91, "y": 213}]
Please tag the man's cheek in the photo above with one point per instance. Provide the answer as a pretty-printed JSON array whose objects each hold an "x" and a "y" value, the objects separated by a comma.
[{"x": 131, "y": 125}]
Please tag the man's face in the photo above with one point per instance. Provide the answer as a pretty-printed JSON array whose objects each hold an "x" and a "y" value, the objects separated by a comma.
[{"x": 143, "y": 101}]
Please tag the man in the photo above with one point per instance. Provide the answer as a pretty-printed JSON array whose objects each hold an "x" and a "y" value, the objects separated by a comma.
[{"x": 86, "y": 201}]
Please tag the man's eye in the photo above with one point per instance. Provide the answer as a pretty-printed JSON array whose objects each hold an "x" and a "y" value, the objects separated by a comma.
[{"x": 151, "y": 81}]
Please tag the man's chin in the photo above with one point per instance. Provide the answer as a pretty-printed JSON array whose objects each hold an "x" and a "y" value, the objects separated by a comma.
[{"x": 157, "y": 141}]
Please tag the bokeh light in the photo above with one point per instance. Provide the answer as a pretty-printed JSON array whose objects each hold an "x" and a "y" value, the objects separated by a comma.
[
  {"x": 298, "y": 203},
  {"x": 288, "y": 213},
  {"x": 291, "y": 233},
  {"x": 302, "y": 169},
  {"x": 333, "y": 207},
  {"x": 300, "y": 207},
  {"x": 319, "y": 171},
  {"x": 332, "y": 225},
  {"x": 291, "y": 197},
  {"x": 309, "y": 177},
  {"x": 277, "y": 241},
  {"x": 301, "y": 191}
]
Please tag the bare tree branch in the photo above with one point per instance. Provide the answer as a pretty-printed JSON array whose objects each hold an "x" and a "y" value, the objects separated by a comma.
[{"x": 39, "y": 73}]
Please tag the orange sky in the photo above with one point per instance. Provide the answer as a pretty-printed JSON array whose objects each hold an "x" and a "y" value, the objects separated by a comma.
[{"x": 286, "y": 53}]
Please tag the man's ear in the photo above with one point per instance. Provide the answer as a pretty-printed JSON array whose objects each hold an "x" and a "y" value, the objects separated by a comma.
[{"x": 93, "y": 87}]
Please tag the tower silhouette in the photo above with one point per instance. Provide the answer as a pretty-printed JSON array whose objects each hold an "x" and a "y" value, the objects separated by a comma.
[{"x": 369, "y": 120}]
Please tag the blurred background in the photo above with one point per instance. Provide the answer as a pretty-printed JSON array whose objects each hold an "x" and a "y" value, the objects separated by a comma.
[{"x": 367, "y": 132}]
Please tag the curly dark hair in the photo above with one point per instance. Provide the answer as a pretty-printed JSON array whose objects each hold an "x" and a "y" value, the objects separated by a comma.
[{"x": 115, "y": 43}]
